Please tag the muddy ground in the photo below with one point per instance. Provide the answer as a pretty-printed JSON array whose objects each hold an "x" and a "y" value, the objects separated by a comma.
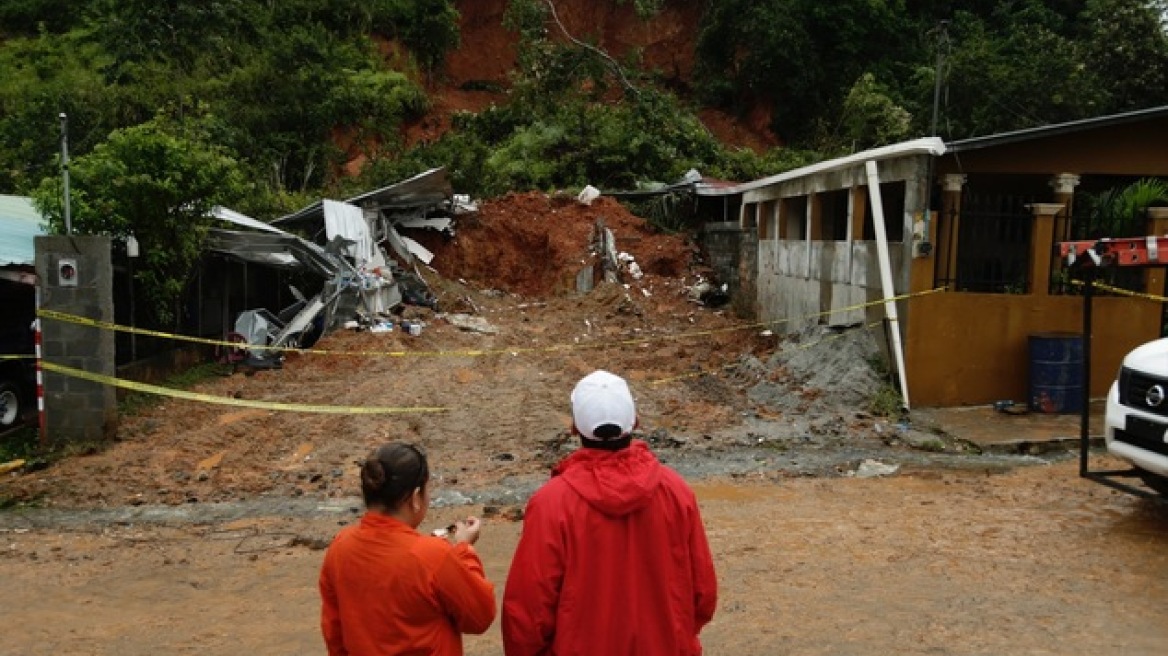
[{"x": 836, "y": 529}]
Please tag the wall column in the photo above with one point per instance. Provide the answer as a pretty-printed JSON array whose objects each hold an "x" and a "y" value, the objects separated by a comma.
[
  {"x": 1064, "y": 193},
  {"x": 948, "y": 228},
  {"x": 858, "y": 207},
  {"x": 1042, "y": 245},
  {"x": 1157, "y": 225}
]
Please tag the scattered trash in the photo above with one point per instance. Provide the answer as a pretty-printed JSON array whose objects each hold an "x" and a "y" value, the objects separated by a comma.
[
  {"x": 1009, "y": 407},
  {"x": 709, "y": 294},
  {"x": 382, "y": 327},
  {"x": 630, "y": 264}
]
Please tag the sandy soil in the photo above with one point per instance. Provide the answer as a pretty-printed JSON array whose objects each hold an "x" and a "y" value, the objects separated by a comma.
[{"x": 202, "y": 528}]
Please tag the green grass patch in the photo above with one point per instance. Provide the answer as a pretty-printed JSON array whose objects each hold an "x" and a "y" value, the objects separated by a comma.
[
  {"x": 933, "y": 446},
  {"x": 886, "y": 402},
  {"x": 136, "y": 402},
  {"x": 20, "y": 444}
]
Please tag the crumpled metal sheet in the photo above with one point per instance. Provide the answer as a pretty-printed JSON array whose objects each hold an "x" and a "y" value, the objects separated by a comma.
[{"x": 425, "y": 189}]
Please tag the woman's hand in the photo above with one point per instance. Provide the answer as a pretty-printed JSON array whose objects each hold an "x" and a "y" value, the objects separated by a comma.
[{"x": 467, "y": 530}]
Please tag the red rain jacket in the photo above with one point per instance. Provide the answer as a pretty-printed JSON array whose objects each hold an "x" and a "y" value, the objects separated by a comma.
[{"x": 613, "y": 560}]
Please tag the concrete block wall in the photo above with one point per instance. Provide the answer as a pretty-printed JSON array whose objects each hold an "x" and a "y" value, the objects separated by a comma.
[
  {"x": 731, "y": 253},
  {"x": 77, "y": 410}
]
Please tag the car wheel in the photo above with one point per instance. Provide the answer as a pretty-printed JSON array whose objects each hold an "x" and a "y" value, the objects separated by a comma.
[
  {"x": 1156, "y": 482},
  {"x": 10, "y": 407}
]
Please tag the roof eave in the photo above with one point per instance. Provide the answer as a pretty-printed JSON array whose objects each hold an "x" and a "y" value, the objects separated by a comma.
[{"x": 924, "y": 146}]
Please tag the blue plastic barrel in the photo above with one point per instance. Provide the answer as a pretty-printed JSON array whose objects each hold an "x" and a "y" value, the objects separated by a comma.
[{"x": 1056, "y": 372}]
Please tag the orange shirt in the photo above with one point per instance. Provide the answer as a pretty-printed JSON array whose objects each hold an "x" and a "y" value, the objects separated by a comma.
[{"x": 385, "y": 589}]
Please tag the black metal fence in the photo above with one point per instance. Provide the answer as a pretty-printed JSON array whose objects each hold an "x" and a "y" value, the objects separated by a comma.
[{"x": 991, "y": 245}]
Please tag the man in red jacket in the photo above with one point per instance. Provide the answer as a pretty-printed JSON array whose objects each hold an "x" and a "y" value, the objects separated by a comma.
[{"x": 613, "y": 558}]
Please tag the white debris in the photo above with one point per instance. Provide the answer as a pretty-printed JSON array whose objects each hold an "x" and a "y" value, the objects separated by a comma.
[
  {"x": 588, "y": 194},
  {"x": 873, "y": 468},
  {"x": 472, "y": 324}
]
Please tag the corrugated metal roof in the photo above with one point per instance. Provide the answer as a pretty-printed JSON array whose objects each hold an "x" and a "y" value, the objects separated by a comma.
[
  {"x": 19, "y": 223},
  {"x": 1057, "y": 129},
  {"x": 426, "y": 188}
]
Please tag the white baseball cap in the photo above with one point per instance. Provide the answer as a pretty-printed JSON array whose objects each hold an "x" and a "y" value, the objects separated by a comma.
[{"x": 602, "y": 398}]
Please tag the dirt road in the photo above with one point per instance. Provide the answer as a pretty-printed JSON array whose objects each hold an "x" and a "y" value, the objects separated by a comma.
[
  {"x": 1035, "y": 561},
  {"x": 202, "y": 528}
]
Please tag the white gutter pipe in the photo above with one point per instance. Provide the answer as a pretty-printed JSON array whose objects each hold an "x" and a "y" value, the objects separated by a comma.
[{"x": 886, "y": 274}]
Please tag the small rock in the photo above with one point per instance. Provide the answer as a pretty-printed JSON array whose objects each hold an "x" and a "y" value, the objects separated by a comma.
[{"x": 872, "y": 468}]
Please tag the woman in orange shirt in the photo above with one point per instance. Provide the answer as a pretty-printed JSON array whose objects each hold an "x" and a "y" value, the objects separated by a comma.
[{"x": 385, "y": 588}]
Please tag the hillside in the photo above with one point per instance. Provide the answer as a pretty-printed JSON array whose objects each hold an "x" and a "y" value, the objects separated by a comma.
[{"x": 476, "y": 75}]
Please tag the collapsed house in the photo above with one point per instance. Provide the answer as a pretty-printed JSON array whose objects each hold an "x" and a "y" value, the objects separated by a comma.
[{"x": 354, "y": 250}]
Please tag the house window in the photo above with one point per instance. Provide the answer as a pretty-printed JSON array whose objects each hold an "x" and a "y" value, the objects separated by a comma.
[
  {"x": 795, "y": 217},
  {"x": 892, "y": 202},
  {"x": 767, "y": 222},
  {"x": 833, "y": 223},
  {"x": 750, "y": 216}
]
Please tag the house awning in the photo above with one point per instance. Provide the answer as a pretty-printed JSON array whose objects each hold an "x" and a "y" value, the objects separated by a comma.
[
  {"x": 924, "y": 146},
  {"x": 20, "y": 222}
]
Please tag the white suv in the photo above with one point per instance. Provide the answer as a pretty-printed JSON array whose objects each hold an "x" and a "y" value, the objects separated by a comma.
[{"x": 1137, "y": 413}]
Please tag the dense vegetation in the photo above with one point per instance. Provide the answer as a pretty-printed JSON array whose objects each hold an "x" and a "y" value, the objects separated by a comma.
[
  {"x": 1004, "y": 65},
  {"x": 175, "y": 106}
]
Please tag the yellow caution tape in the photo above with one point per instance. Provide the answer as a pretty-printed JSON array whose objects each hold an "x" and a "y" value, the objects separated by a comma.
[
  {"x": 17, "y": 356},
  {"x": 224, "y": 400},
  {"x": 1121, "y": 291},
  {"x": 105, "y": 325},
  {"x": 11, "y": 466},
  {"x": 331, "y": 409}
]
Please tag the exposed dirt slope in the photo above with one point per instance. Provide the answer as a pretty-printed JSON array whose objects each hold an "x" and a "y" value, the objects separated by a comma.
[
  {"x": 477, "y": 74},
  {"x": 722, "y": 395},
  {"x": 503, "y": 394}
]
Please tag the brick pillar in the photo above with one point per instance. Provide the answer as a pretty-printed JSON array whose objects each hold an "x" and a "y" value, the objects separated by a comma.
[
  {"x": 950, "y": 222},
  {"x": 1042, "y": 245},
  {"x": 77, "y": 410},
  {"x": 1157, "y": 225},
  {"x": 1064, "y": 185}
]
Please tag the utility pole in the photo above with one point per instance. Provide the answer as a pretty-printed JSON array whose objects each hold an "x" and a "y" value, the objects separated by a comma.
[
  {"x": 925, "y": 247},
  {"x": 942, "y": 44},
  {"x": 65, "y": 170}
]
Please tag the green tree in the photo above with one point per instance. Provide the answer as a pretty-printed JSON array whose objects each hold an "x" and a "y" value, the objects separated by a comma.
[
  {"x": 156, "y": 181},
  {"x": 43, "y": 77},
  {"x": 178, "y": 33},
  {"x": 1015, "y": 69},
  {"x": 798, "y": 56},
  {"x": 870, "y": 117},
  {"x": 288, "y": 103},
  {"x": 1125, "y": 42},
  {"x": 30, "y": 17}
]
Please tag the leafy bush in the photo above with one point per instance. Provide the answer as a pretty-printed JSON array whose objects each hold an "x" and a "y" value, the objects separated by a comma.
[{"x": 156, "y": 181}]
